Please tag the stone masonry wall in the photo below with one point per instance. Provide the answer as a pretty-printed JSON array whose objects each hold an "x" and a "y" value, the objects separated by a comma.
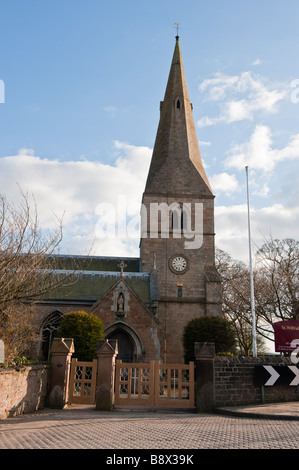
[
  {"x": 23, "y": 390},
  {"x": 234, "y": 382}
]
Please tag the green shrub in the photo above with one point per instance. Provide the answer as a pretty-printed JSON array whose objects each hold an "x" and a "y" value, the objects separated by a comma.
[
  {"x": 86, "y": 329},
  {"x": 216, "y": 330}
]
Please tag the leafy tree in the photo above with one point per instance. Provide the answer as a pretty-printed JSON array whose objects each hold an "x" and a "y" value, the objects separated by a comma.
[
  {"x": 208, "y": 329},
  {"x": 86, "y": 329}
]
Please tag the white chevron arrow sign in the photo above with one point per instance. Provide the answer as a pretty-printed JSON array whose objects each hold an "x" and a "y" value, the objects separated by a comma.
[
  {"x": 295, "y": 370},
  {"x": 274, "y": 375},
  {"x": 277, "y": 375}
]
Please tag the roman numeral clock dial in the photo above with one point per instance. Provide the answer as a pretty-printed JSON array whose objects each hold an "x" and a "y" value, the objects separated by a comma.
[{"x": 178, "y": 264}]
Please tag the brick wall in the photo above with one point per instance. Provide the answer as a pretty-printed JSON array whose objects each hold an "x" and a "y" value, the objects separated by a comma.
[
  {"x": 23, "y": 390},
  {"x": 234, "y": 382}
]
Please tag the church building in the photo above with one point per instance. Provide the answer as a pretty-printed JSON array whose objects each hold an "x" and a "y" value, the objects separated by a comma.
[{"x": 146, "y": 302}]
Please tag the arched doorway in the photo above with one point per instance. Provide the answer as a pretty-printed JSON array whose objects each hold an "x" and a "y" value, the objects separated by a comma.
[
  {"x": 129, "y": 344},
  {"x": 125, "y": 345}
]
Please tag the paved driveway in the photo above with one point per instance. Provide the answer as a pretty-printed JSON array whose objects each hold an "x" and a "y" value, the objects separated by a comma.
[{"x": 86, "y": 428}]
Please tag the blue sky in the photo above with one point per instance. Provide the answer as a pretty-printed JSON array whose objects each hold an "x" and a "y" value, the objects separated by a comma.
[{"x": 83, "y": 83}]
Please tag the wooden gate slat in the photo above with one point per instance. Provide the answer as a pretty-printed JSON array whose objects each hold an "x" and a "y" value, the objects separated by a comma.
[
  {"x": 154, "y": 384},
  {"x": 139, "y": 399},
  {"x": 78, "y": 396}
]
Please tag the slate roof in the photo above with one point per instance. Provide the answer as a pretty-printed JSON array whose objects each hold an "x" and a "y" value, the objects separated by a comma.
[
  {"x": 95, "y": 263},
  {"x": 94, "y": 276}
]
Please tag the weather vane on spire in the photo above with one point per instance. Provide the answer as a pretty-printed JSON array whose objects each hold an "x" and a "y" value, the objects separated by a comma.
[{"x": 177, "y": 25}]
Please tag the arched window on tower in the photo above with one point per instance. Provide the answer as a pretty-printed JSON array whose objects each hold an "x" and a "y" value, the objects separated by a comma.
[
  {"x": 176, "y": 217},
  {"x": 184, "y": 220},
  {"x": 180, "y": 218},
  {"x": 175, "y": 220}
]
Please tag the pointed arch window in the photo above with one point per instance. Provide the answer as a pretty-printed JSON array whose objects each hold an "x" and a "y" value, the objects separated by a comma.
[
  {"x": 184, "y": 219},
  {"x": 48, "y": 332},
  {"x": 176, "y": 217},
  {"x": 181, "y": 218},
  {"x": 175, "y": 220},
  {"x": 178, "y": 103}
]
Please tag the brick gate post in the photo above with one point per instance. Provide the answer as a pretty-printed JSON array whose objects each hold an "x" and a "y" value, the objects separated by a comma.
[
  {"x": 61, "y": 354},
  {"x": 205, "y": 377},
  {"x": 106, "y": 352}
]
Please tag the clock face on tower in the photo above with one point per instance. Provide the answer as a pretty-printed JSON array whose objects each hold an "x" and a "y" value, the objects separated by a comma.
[{"x": 178, "y": 264}]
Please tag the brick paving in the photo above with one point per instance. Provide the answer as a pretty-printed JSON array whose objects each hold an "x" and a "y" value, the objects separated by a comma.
[{"x": 86, "y": 428}]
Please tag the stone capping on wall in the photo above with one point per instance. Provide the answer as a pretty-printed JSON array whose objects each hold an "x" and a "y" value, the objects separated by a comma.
[
  {"x": 230, "y": 380},
  {"x": 23, "y": 389},
  {"x": 234, "y": 381}
]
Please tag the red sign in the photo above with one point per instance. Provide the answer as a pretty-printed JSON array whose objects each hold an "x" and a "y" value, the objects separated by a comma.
[{"x": 285, "y": 334}]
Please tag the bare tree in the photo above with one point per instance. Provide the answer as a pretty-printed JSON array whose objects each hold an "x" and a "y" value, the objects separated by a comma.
[
  {"x": 236, "y": 300},
  {"x": 278, "y": 267},
  {"x": 27, "y": 270},
  {"x": 18, "y": 330},
  {"x": 276, "y": 289}
]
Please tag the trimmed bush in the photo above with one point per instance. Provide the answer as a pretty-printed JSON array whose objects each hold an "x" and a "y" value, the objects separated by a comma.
[
  {"x": 86, "y": 329},
  {"x": 217, "y": 330}
]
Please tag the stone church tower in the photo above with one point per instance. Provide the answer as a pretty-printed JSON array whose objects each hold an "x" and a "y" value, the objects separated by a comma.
[
  {"x": 146, "y": 302},
  {"x": 177, "y": 243}
]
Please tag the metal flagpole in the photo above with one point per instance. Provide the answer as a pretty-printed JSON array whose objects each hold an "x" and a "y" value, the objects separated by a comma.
[{"x": 254, "y": 352}]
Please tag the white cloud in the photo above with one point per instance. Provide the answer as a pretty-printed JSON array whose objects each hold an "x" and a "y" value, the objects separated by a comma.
[
  {"x": 203, "y": 143},
  {"x": 231, "y": 226},
  {"x": 78, "y": 187},
  {"x": 258, "y": 152},
  {"x": 75, "y": 188},
  {"x": 132, "y": 159},
  {"x": 218, "y": 86},
  {"x": 110, "y": 109},
  {"x": 240, "y": 96},
  {"x": 256, "y": 62},
  {"x": 206, "y": 121},
  {"x": 223, "y": 182}
]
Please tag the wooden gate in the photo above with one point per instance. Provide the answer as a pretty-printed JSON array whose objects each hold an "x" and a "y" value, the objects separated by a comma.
[
  {"x": 154, "y": 385},
  {"x": 83, "y": 382}
]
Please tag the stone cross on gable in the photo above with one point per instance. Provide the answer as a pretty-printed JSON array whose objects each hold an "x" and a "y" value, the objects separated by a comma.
[{"x": 122, "y": 266}]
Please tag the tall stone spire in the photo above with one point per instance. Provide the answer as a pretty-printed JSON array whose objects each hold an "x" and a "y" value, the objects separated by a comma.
[{"x": 176, "y": 166}]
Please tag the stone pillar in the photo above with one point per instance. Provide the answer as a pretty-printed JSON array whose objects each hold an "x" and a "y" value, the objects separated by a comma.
[
  {"x": 61, "y": 354},
  {"x": 106, "y": 352},
  {"x": 205, "y": 380}
]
